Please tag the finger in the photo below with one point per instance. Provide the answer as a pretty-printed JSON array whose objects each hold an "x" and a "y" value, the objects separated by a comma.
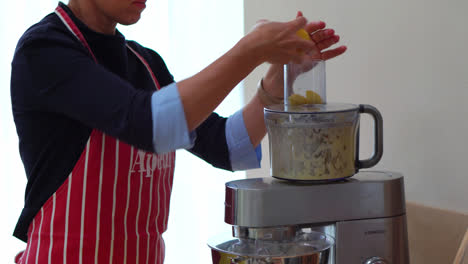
[
  {"x": 300, "y": 14},
  {"x": 296, "y": 24},
  {"x": 321, "y": 35},
  {"x": 314, "y": 26},
  {"x": 326, "y": 43},
  {"x": 333, "y": 52}
]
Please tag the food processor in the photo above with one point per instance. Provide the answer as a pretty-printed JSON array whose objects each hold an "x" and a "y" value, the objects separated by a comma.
[{"x": 317, "y": 205}]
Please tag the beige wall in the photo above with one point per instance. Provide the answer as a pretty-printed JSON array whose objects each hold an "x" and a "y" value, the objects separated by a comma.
[{"x": 408, "y": 59}]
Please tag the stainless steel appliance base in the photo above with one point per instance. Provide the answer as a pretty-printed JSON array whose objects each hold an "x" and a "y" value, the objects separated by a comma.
[{"x": 365, "y": 214}]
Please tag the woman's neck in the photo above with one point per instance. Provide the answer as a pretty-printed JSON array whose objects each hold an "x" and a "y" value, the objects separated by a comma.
[{"x": 89, "y": 13}]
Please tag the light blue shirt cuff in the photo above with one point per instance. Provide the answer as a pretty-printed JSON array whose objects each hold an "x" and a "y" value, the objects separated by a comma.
[
  {"x": 241, "y": 152},
  {"x": 170, "y": 131}
]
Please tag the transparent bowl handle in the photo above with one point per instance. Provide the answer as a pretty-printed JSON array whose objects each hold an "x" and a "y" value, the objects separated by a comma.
[{"x": 378, "y": 137}]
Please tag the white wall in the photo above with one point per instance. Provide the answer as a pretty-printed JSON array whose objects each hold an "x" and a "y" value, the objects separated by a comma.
[{"x": 408, "y": 59}]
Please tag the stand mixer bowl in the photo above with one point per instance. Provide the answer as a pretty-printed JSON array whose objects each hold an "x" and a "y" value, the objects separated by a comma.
[{"x": 303, "y": 248}]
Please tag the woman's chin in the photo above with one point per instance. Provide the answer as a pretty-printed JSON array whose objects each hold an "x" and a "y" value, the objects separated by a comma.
[{"x": 130, "y": 20}]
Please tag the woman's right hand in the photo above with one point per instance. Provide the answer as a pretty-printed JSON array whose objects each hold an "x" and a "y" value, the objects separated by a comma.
[{"x": 277, "y": 42}]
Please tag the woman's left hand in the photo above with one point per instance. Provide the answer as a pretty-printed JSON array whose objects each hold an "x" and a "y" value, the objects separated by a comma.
[{"x": 323, "y": 39}]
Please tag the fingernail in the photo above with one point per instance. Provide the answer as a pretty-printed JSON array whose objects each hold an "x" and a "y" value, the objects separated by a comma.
[{"x": 330, "y": 32}]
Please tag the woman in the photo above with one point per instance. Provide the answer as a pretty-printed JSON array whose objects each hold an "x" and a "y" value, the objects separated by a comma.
[{"x": 99, "y": 119}]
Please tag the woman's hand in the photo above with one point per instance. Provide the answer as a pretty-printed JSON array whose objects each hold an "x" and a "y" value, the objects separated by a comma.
[
  {"x": 321, "y": 38},
  {"x": 277, "y": 42}
]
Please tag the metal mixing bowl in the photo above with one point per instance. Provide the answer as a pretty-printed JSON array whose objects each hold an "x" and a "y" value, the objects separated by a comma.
[{"x": 305, "y": 248}]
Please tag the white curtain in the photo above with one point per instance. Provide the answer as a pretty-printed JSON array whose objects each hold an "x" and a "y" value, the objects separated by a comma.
[
  {"x": 15, "y": 18},
  {"x": 188, "y": 35}
]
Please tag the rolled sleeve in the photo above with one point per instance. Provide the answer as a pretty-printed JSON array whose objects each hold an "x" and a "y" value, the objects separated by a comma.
[
  {"x": 241, "y": 152},
  {"x": 170, "y": 131}
]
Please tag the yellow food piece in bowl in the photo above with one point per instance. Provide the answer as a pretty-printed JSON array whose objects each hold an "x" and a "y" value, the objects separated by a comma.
[
  {"x": 310, "y": 98},
  {"x": 313, "y": 97},
  {"x": 297, "y": 99}
]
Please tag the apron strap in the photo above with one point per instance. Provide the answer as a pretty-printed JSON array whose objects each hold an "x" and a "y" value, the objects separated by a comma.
[
  {"x": 73, "y": 29},
  {"x": 153, "y": 77}
]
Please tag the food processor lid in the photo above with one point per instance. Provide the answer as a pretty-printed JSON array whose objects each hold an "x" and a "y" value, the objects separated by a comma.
[
  {"x": 302, "y": 244},
  {"x": 312, "y": 108}
]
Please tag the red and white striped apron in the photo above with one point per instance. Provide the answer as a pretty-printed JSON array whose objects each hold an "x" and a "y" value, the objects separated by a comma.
[{"x": 112, "y": 208}]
